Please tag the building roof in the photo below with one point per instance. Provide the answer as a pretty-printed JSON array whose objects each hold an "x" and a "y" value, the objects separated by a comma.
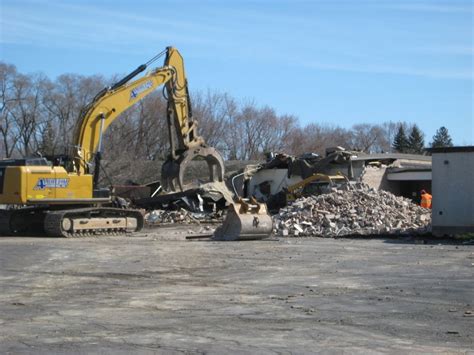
[
  {"x": 396, "y": 170},
  {"x": 390, "y": 156},
  {"x": 459, "y": 149},
  {"x": 409, "y": 175}
]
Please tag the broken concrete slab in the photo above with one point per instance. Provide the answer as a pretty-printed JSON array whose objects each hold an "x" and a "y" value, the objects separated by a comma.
[{"x": 352, "y": 210}]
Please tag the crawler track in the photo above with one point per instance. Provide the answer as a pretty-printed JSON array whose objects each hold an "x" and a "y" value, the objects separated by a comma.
[
  {"x": 5, "y": 222},
  {"x": 71, "y": 223}
]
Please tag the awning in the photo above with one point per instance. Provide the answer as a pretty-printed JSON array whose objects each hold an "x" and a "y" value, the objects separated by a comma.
[{"x": 409, "y": 176}]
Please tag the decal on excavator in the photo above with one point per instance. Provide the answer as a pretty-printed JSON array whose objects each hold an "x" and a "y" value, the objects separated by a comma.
[
  {"x": 139, "y": 89},
  {"x": 44, "y": 183}
]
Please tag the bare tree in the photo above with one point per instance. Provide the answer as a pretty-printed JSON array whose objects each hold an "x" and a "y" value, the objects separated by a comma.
[
  {"x": 211, "y": 112},
  {"x": 232, "y": 140},
  {"x": 316, "y": 138},
  {"x": 26, "y": 112},
  {"x": 8, "y": 74},
  {"x": 147, "y": 128},
  {"x": 252, "y": 124},
  {"x": 65, "y": 98},
  {"x": 368, "y": 138},
  {"x": 281, "y": 131}
]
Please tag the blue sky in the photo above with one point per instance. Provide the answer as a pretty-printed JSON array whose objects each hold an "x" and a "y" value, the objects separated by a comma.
[{"x": 336, "y": 62}]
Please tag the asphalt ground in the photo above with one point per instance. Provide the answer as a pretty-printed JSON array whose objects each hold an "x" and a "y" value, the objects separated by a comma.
[{"x": 159, "y": 293}]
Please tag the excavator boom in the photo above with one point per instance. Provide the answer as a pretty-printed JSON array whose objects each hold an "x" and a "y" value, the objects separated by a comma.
[
  {"x": 105, "y": 110},
  {"x": 185, "y": 143}
]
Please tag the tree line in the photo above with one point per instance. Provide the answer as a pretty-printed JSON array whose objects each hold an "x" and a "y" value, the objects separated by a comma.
[
  {"x": 414, "y": 141},
  {"x": 38, "y": 114}
]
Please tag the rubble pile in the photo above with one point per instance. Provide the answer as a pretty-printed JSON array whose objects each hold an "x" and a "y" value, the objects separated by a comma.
[
  {"x": 352, "y": 210},
  {"x": 183, "y": 216}
]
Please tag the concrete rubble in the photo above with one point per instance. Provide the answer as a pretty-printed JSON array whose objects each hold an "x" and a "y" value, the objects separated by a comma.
[{"x": 352, "y": 209}]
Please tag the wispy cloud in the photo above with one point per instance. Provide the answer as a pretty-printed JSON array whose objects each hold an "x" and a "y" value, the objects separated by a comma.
[
  {"x": 93, "y": 28},
  {"x": 398, "y": 70},
  {"x": 432, "y": 7},
  {"x": 111, "y": 15},
  {"x": 465, "y": 50}
]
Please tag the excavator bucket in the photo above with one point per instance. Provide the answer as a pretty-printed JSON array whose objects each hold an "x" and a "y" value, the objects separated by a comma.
[{"x": 246, "y": 220}]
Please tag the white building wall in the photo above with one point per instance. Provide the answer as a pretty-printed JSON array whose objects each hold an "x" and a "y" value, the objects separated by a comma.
[
  {"x": 278, "y": 179},
  {"x": 453, "y": 192}
]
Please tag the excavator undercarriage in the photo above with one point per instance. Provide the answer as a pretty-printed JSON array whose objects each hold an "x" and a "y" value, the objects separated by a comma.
[{"x": 74, "y": 222}]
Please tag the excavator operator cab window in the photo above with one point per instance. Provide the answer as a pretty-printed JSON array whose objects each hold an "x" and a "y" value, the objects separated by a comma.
[{"x": 60, "y": 160}]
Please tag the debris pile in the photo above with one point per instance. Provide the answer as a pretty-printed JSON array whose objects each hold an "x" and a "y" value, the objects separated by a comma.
[
  {"x": 352, "y": 210},
  {"x": 157, "y": 217}
]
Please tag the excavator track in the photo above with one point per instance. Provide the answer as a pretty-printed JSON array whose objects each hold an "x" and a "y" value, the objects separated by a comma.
[
  {"x": 5, "y": 216},
  {"x": 71, "y": 223},
  {"x": 22, "y": 221},
  {"x": 92, "y": 222}
]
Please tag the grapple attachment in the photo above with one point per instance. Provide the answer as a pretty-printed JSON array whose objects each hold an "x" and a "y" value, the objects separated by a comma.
[
  {"x": 246, "y": 220},
  {"x": 172, "y": 171}
]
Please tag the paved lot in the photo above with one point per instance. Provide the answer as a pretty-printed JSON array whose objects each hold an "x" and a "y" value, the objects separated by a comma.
[{"x": 159, "y": 293}]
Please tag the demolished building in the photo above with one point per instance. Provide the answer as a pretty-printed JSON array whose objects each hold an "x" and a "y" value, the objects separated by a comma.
[{"x": 401, "y": 174}]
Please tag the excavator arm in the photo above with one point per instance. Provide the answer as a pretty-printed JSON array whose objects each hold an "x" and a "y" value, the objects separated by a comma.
[
  {"x": 106, "y": 109},
  {"x": 185, "y": 143}
]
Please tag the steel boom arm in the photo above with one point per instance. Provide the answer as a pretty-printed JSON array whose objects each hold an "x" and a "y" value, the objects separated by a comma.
[
  {"x": 106, "y": 109},
  {"x": 185, "y": 143}
]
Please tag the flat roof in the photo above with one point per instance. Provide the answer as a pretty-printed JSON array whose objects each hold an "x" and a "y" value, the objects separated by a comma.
[
  {"x": 458, "y": 149},
  {"x": 409, "y": 176},
  {"x": 394, "y": 170},
  {"x": 390, "y": 156}
]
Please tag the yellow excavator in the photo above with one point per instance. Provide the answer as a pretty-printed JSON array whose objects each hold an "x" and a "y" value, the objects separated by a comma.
[
  {"x": 66, "y": 200},
  {"x": 313, "y": 185}
]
